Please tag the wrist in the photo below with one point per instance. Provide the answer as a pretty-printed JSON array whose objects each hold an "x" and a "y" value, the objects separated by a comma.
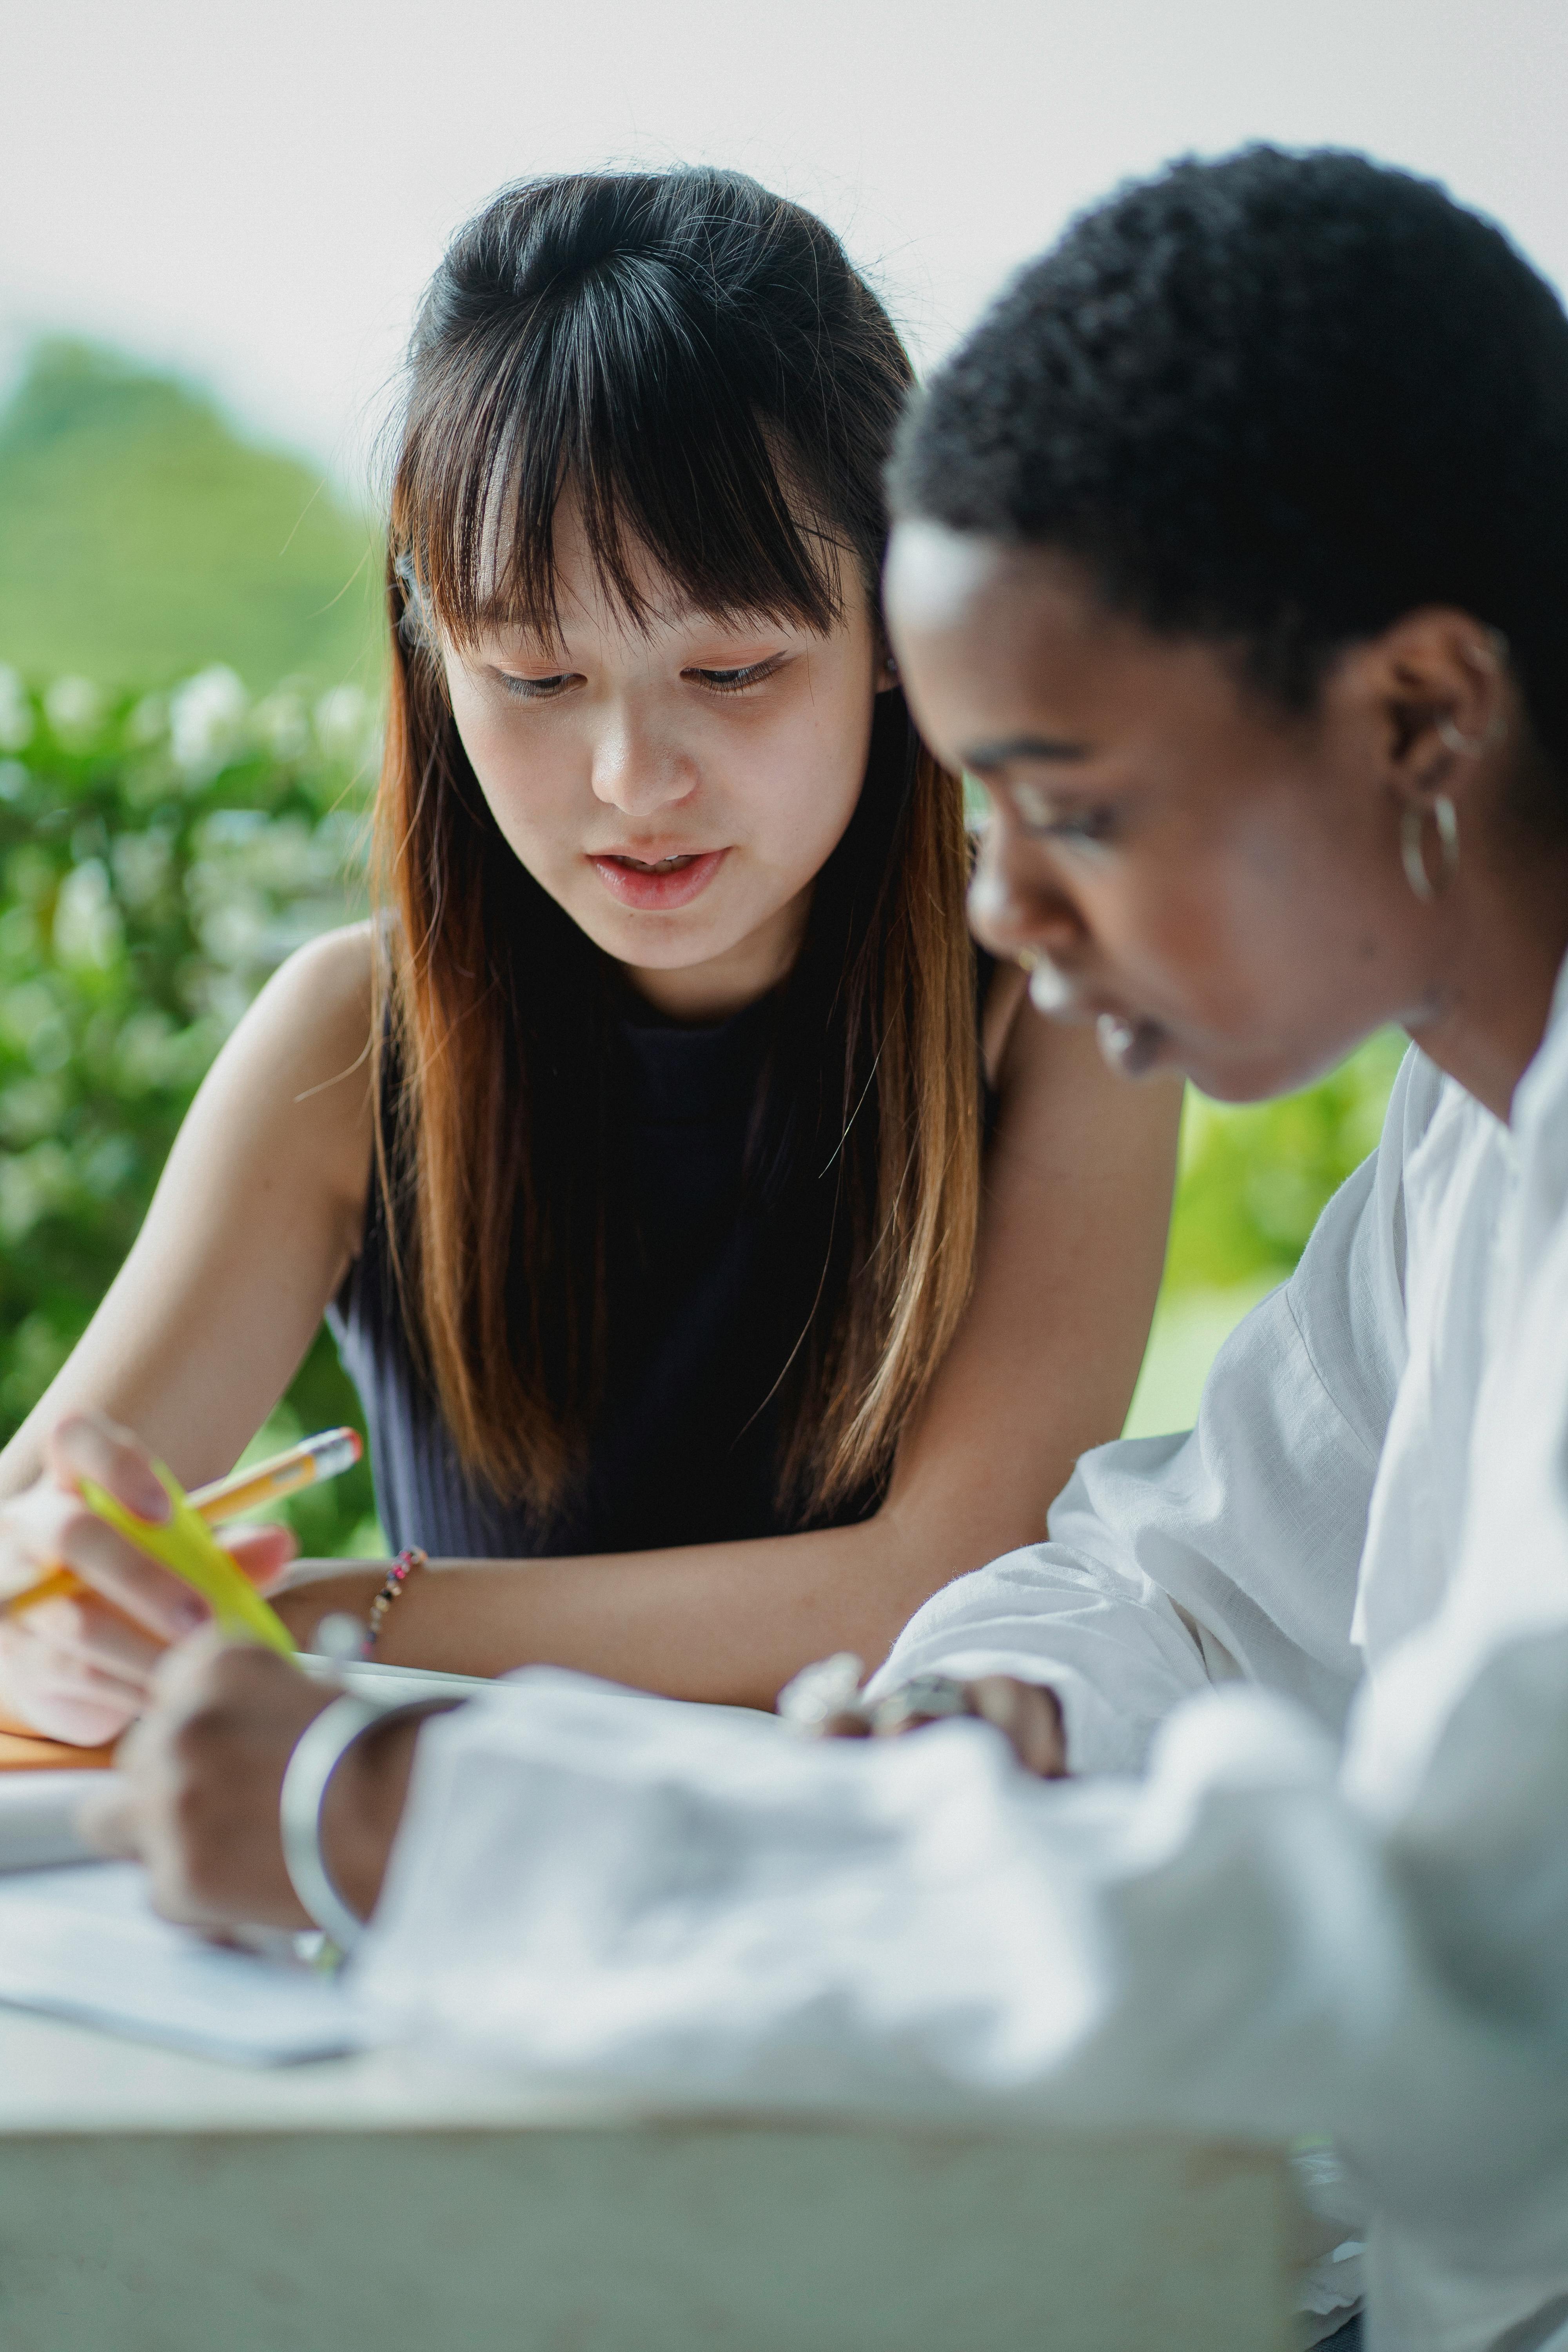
[
  {"x": 363, "y": 1807},
  {"x": 324, "y": 1590}
]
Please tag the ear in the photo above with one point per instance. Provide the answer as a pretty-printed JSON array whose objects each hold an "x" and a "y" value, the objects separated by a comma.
[
  {"x": 887, "y": 675},
  {"x": 1445, "y": 703}
]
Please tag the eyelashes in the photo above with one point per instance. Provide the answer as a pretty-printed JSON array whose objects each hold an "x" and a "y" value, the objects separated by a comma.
[
  {"x": 735, "y": 681},
  {"x": 1095, "y": 825},
  {"x": 1039, "y": 816},
  {"x": 713, "y": 681}
]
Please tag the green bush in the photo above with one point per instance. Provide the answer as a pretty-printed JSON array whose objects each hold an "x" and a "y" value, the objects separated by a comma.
[
  {"x": 159, "y": 857},
  {"x": 1254, "y": 1178}
]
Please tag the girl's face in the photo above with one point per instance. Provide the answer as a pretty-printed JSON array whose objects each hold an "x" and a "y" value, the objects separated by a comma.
[
  {"x": 1218, "y": 884},
  {"x": 675, "y": 788}
]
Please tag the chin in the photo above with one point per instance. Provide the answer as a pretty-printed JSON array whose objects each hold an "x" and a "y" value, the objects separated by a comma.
[{"x": 1261, "y": 1078}]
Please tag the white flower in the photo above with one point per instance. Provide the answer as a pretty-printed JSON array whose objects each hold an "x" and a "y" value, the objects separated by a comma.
[
  {"x": 16, "y": 712},
  {"x": 31, "y": 1184},
  {"x": 149, "y": 719},
  {"x": 344, "y": 722},
  {"x": 141, "y": 863},
  {"x": 87, "y": 929},
  {"x": 283, "y": 724},
  {"x": 208, "y": 722},
  {"x": 234, "y": 932},
  {"x": 74, "y": 706}
]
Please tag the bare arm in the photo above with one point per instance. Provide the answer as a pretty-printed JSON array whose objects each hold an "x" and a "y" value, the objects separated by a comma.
[
  {"x": 255, "y": 1220},
  {"x": 251, "y": 1230},
  {"x": 1075, "y": 1216}
]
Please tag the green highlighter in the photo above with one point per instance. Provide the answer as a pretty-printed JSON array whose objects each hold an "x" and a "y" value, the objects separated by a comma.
[{"x": 186, "y": 1546}]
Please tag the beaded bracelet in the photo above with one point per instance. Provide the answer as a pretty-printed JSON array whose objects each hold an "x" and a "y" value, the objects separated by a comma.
[{"x": 397, "y": 1576}]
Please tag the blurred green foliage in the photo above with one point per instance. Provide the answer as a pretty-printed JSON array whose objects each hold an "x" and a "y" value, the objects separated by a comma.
[
  {"x": 140, "y": 538},
  {"x": 160, "y": 853},
  {"x": 1255, "y": 1178},
  {"x": 1251, "y": 1184},
  {"x": 158, "y": 856}
]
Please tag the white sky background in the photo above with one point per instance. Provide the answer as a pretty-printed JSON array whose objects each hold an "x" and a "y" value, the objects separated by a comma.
[{"x": 256, "y": 193}]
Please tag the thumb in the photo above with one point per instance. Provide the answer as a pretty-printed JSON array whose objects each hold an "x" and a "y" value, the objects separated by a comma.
[{"x": 261, "y": 1553}]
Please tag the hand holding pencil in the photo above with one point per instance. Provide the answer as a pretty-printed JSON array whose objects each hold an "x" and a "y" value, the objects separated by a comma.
[{"x": 76, "y": 1655}]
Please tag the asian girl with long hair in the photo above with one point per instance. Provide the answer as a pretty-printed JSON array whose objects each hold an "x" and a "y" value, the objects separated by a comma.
[{"x": 723, "y": 1265}]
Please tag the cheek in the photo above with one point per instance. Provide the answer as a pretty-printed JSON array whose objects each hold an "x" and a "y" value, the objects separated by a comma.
[
  {"x": 1260, "y": 939},
  {"x": 801, "y": 783},
  {"x": 527, "y": 791},
  {"x": 1233, "y": 944}
]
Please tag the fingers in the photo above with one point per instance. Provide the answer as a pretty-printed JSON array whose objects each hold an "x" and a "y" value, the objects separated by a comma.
[
  {"x": 202, "y": 1772},
  {"x": 261, "y": 1553},
  {"x": 203, "y": 1672},
  {"x": 56, "y": 1528},
  {"x": 107, "y": 1821},
  {"x": 50, "y": 1526},
  {"x": 50, "y": 1678},
  {"x": 80, "y": 1631},
  {"x": 90, "y": 1446},
  {"x": 1028, "y": 1716},
  {"x": 824, "y": 1703}
]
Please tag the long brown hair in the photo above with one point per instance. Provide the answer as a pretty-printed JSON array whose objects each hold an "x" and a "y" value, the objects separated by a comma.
[{"x": 698, "y": 359}]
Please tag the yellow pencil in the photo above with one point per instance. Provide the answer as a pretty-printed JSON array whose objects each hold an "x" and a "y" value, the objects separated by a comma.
[{"x": 326, "y": 1455}]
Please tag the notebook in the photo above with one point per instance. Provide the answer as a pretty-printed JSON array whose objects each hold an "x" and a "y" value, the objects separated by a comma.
[
  {"x": 85, "y": 1944},
  {"x": 38, "y": 1813},
  {"x": 22, "y": 1750}
]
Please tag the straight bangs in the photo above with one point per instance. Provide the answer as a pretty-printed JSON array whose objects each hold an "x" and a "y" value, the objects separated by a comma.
[
  {"x": 675, "y": 456},
  {"x": 693, "y": 362}
]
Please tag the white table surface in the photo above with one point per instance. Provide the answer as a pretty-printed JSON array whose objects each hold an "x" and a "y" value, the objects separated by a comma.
[{"x": 156, "y": 2202}]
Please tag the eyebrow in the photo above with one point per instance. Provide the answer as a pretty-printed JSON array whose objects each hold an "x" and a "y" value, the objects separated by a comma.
[{"x": 1013, "y": 748}]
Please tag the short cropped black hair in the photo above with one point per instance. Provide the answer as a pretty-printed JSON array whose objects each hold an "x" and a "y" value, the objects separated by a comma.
[{"x": 1279, "y": 399}]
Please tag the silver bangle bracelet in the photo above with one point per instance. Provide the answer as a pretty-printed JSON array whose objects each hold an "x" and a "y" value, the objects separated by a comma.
[{"x": 318, "y": 1750}]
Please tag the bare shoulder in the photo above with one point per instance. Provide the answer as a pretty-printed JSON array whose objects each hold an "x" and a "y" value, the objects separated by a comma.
[
  {"x": 1004, "y": 994},
  {"x": 320, "y": 997},
  {"x": 295, "y": 1075},
  {"x": 1058, "y": 1099}
]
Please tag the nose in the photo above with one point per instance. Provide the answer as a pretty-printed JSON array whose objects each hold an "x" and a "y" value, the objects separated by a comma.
[
  {"x": 1017, "y": 907},
  {"x": 637, "y": 768}
]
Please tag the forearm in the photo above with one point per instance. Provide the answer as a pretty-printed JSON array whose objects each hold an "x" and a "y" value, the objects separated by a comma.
[
  {"x": 726, "y": 1623},
  {"x": 1115, "y": 1653}
]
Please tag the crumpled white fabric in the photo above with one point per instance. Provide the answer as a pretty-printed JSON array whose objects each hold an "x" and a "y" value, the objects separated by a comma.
[{"x": 1315, "y": 1656}]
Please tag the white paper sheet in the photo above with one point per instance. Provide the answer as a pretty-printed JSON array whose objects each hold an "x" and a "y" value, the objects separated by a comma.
[
  {"x": 38, "y": 1816},
  {"x": 368, "y": 1678},
  {"x": 84, "y": 1943}
]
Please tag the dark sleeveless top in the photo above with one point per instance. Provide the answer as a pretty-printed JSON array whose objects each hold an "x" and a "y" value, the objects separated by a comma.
[{"x": 686, "y": 1448}]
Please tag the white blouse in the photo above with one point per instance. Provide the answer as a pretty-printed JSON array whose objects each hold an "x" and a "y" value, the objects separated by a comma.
[{"x": 1313, "y": 1660}]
